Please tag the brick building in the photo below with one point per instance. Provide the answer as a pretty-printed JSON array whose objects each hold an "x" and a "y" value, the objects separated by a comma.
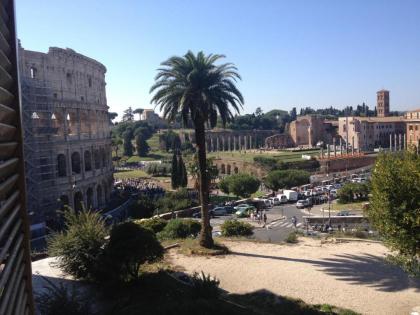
[{"x": 413, "y": 128}]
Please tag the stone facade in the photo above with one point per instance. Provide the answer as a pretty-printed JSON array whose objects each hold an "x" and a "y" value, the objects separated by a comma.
[
  {"x": 307, "y": 131},
  {"x": 67, "y": 131},
  {"x": 152, "y": 118},
  {"x": 279, "y": 141},
  {"x": 227, "y": 166},
  {"x": 412, "y": 119}
]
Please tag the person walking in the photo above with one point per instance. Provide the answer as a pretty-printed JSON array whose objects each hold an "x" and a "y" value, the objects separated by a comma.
[
  {"x": 294, "y": 221},
  {"x": 265, "y": 220}
]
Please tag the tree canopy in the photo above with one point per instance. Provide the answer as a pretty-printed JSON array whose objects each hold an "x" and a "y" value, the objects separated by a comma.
[
  {"x": 242, "y": 185},
  {"x": 281, "y": 179},
  {"x": 394, "y": 207}
]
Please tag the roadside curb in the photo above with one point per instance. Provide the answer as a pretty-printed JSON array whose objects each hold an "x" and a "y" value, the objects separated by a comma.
[{"x": 358, "y": 240}]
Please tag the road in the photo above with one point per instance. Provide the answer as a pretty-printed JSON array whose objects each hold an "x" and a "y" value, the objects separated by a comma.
[{"x": 279, "y": 223}]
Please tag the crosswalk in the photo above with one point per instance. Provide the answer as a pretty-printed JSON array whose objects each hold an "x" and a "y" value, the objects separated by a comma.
[{"x": 283, "y": 224}]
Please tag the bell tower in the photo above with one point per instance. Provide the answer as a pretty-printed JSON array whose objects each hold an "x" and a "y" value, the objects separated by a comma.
[{"x": 382, "y": 101}]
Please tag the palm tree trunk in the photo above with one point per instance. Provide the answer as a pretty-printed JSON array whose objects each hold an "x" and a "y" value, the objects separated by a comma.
[{"x": 206, "y": 239}]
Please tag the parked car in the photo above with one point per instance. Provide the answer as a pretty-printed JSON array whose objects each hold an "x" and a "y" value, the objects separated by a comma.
[
  {"x": 275, "y": 201},
  {"x": 218, "y": 211},
  {"x": 242, "y": 205},
  {"x": 244, "y": 212},
  {"x": 303, "y": 203},
  {"x": 229, "y": 209},
  {"x": 343, "y": 213}
]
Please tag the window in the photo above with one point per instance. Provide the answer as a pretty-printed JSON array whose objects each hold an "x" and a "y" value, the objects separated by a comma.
[
  {"x": 90, "y": 81},
  {"x": 33, "y": 72},
  {"x": 55, "y": 95},
  {"x": 82, "y": 98},
  {"x": 410, "y": 127},
  {"x": 61, "y": 165},
  {"x": 69, "y": 77}
]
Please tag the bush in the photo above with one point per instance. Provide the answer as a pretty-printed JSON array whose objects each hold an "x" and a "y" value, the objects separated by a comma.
[
  {"x": 79, "y": 247},
  {"x": 292, "y": 238},
  {"x": 353, "y": 192},
  {"x": 180, "y": 228},
  {"x": 236, "y": 228},
  {"x": 58, "y": 299},
  {"x": 205, "y": 286},
  {"x": 130, "y": 245},
  {"x": 174, "y": 201},
  {"x": 143, "y": 207},
  {"x": 154, "y": 224}
]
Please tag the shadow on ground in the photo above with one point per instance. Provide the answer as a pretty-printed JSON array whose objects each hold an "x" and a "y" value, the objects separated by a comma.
[{"x": 365, "y": 269}]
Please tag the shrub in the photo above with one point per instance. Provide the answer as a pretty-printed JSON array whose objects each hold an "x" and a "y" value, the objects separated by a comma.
[
  {"x": 58, "y": 299},
  {"x": 236, "y": 228},
  {"x": 79, "y": 247},
  {"x": 353, "y": 191},
  {"x": 180, "y": 228},
  {"x": 174, "y": 201},
  {"x": 130, "y": 245},
  {"x": 143, "y": 207},
  {"x": 205, "y": 286},
  {"x": 154, "y": 224},
  {"x": 292, "y": 238},
  {"x": 158, "y": 169}
]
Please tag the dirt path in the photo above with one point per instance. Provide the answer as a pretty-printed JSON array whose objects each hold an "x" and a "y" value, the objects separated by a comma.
[{"x": 351, "y": 275}]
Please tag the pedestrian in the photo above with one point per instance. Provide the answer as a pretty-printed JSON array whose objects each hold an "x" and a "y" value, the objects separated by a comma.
[
  {"x": 294, "y": 221},
  {"x": 265, "y": 220}
]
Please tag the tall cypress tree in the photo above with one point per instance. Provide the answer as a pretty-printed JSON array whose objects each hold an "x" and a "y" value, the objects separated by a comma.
[
  {"x": 183, "y": 178},
  {"x": 128, "y": 146},
  {"x": 175, "y": 181}
]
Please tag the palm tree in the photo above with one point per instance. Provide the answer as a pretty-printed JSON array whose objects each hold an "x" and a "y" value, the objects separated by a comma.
[{"x": 200, "y": 91}]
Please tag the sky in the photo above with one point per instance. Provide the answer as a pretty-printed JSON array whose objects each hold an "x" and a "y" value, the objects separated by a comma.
[{"x": 294, "y": 53}]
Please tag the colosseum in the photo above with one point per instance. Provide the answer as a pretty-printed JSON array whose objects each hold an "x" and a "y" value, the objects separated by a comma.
[{"x": 67, "y": 143}]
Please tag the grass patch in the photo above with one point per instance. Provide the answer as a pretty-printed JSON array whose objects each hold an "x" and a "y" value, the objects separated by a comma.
[
  {"x": 131, "y": 174},
  {"x": 284, "y": 156},
  {"x": 348, "y": 206}
]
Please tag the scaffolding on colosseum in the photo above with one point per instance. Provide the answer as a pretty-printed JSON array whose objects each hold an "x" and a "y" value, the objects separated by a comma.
[{"x": 39, "y": 157}]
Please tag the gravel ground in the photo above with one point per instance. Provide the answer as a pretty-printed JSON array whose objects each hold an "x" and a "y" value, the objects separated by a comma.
[{"x": 351, "y": 275}]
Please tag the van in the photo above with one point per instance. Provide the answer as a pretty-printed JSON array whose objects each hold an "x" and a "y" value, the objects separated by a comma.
[
  {"x": 291, "y": 195},
  {"x": 282, "y": 198}
]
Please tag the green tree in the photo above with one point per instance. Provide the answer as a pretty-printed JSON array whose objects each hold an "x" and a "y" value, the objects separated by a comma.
[
  {"x": 128, "y": 145},
  {"x": 281, "y": 179},
  {"x": 394, "y": 207},
  {"x": 183, "y": 176},
  {"x": 131, "y": 245},
  {"x": 201, "y": 91},
  {"x": 141, "y": 144},
  {"x": 112, "y": 116},
  {"x": 175, "y": 180},
  {"x": 128, "y": 115},
  {"x": 353, "y": 192},
  {"x": 242, "y": 185},
  {"x": 115, "y": 143}
]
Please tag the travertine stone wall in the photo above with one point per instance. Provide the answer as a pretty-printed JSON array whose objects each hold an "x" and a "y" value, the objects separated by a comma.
[{"x": 67, "y": 131}]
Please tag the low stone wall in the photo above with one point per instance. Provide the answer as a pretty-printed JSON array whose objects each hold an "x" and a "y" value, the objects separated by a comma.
[{"x": 348, "y": 163}]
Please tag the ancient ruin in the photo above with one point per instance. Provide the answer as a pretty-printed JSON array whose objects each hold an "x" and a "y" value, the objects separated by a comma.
[{"x": 66, "y": 131}]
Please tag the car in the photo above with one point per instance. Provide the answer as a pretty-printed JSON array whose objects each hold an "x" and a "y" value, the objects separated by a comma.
[
  {"x": 218, "y": 211},
  {"x": 302, "y": 204},
  {"x": 343, "y": 213},
  {"x": 229, "y": 209},
  {"x": 243, "y": 212},
  {"x": 242, "y": 205}
]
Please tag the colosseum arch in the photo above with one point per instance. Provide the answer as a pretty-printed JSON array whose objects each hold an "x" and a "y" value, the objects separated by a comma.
[
  {"x": 99, "y": 195},
  {"x": 97, "y": 159},
  {"x": 61, "y": 165},
  {"x": 223, "y": 169},
  {"x": 236, "y": 170},
  {"x": 75, "y": 162},
  {"x": 229, "y": 169},
  {"x": 89, "y": 198},
  {"x": 105, "y": 192},
  {"x": 57, "y": 122},
  {"x": 78, "y": 201},
  {"x": 72, "y": 122},
  {"x": 88, "y": 160}
]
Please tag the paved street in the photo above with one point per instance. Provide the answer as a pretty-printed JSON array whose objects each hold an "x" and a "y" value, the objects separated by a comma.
[{"x": 279, "y": 223}]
